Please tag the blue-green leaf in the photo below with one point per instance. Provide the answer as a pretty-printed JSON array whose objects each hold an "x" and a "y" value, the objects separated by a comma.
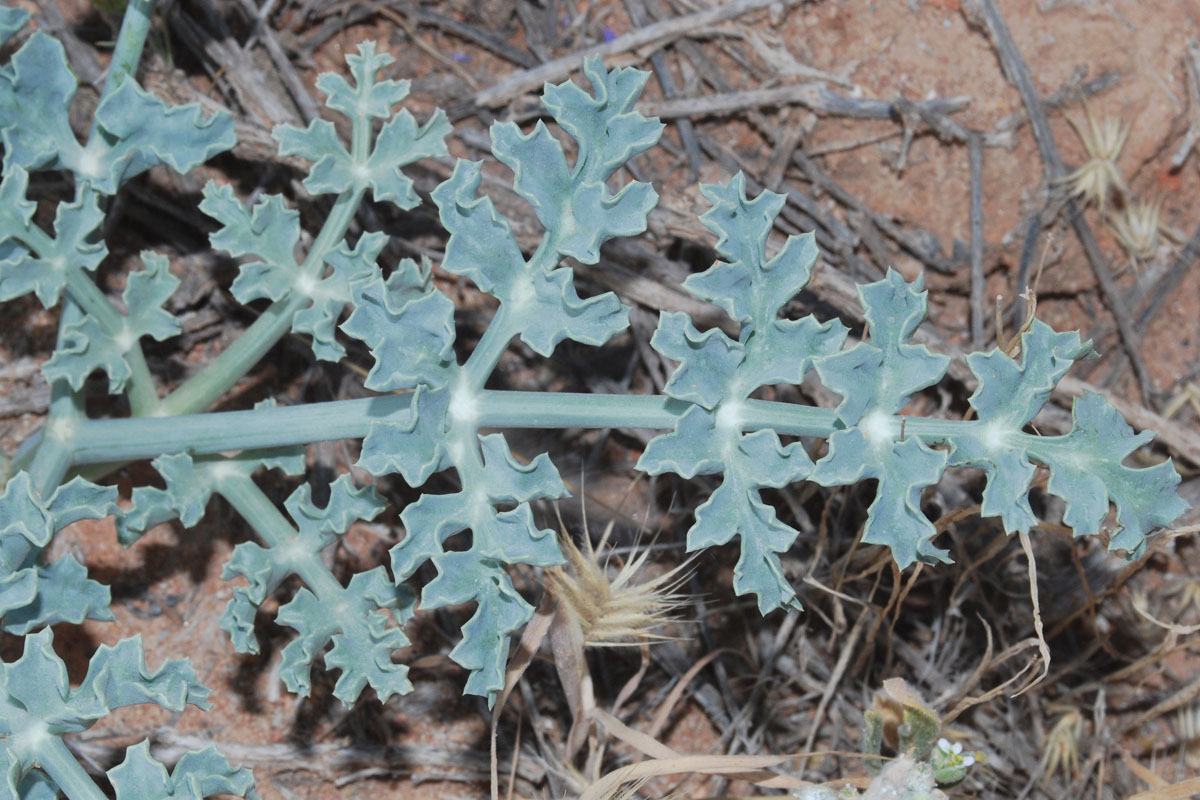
[
  {"x": 1009, "y": 395},
  {"x": 35, "y": 100},
  {"x": 1087, "y": 470},
  {"x": 415, "y": 449},
  {"x": 12, "y": 19},
  {"x": 879, "y": 375},
  {"x": 197, "y": 775},
  {"x": 401, "y": 141},
  {"x": 73, "y": 245},
  {"x": 707, "y": 361},
  {"x": 497, "y": 538},
  {"x": 270, "y": 232},
  {"x": 141, "y": 131},
  {"x": 86, "y": 345},
  {"x": 363, "y": 641},
  {"x": 135, "y": 130},
  {"x": 607, "y": 128},
  {"x": 331, "y": 294},
  {"x": 410, "y": 333}
]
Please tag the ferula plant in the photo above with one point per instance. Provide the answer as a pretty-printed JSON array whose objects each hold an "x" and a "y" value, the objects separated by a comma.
[{"x": 431, "y": 405}]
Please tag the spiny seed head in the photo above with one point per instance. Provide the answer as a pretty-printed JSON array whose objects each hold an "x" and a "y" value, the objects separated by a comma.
[
  {"x": 1099, "y": 176},
  {"x": 1060, "y": 751},
  {"x": 1136, "y": 228},
  {"x": 614, "y": 609}
]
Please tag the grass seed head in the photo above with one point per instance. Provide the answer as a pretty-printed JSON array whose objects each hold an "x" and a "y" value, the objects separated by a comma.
[
  {"x": 1099, "y": 176},
  {"x": 1136, "y": 228},
  {"x": 614, "y": 608},
  {"x": 1060, "y": 751}
]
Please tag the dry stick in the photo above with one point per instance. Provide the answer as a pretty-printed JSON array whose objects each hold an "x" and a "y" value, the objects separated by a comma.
[
  {"x": 813, "y": 95},
  {"x": 831, "y": 685},
  {"x": 1192, "y": 137},
  {"x": 1068, "y": 92},
  {"x": 658, "y": 33},
  {"x": 1166, "y": 287},
  {"x": 986, "y": 14},
  {"x": 975, "y": 161},
  {"x": 287, "y": 73},
  {"x": 666, "y": 81},
  {"x": 893, "y": 231}
]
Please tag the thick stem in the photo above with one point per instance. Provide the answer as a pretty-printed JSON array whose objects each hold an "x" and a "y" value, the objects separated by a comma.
[
  {"x": 135, "y": 26},
  {"x": 275, "y": 531},
  {"x": 56, "y": 760},
  {"x": 102, "y": 441},
  {"x": 206, "y": 387}
]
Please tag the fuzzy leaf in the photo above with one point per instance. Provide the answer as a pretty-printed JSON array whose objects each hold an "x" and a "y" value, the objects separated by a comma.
[
  {"x": 879, "y": 375},
  {"x": 604, "y": 123},
  {"x": 416, "y": 449},
  {"x": 35, "y": 687},
  {"x": 362, "y": 638},
  {"x": 269, "y": 231},
  {"x": 73, "y": 245},
  {"x": 34, "y": 594},
  {"x": 482, "y": 248},
  {"x": 196, "y": 776},
  {"x": 35, "y": 99},
  {"x": 701, "y": 445},
  {"x": 707, "y": 361},
  {"x": 135, "y": 130},
  {"x": 63, "y": 593},
  {"x": 141, "y": 131},
  {"x": 12, "y": 19},
  {"x": 903, "y": 468},
  {"x": 191, "y": 482},
  {"x": 718, "y": 374},
  {"x": 86, "y": 345},
  {"x": 1009, "y": 395},
  {"x": 497, "y": 538},
  {"x": 400, "y": 142},
  {"x": 363, "y": 641},
  {"x": 331, "y": 294},
  {"x": 1087, "y": 470},
  {"x": 410, "y": 333},
  {"x": 875, "y": 379}
]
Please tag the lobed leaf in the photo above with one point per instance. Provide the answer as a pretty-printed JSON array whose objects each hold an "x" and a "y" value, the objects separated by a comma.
[
  {"x": 400, "y": 142},
  {"x": 86, "y": 345},
  {"x": 1087, "y": 470},
  {"x": 74, "y": 246},
  {"x": 1009, "y": 395},
  {"x": 35, "y": 594},
  {"x": 135, "y": 130},
  {"x": 718, "y": 374},
  {"x": 410, "y": 332},
  {"x": 196, "y": 775},
  {"x": 875, "y": 378},
  {"x": 12, "y": 19},
  {"x": 477, "y": 574},
  {"x": 270, "y": 232}
]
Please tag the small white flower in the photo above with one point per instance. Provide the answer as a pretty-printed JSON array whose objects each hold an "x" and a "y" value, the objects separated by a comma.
[{"x": 949, "y": 749}]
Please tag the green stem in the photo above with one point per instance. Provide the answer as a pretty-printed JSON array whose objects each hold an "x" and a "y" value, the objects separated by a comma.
[
  {"x": 491, "y": 346},
  {"x": 56, "y": 760},
  {"x": 111, "y": 440},
  {"x": 275, "y": 531},
  {"x": 135, "y": 26},
  {"x": 206, "y": 387}
]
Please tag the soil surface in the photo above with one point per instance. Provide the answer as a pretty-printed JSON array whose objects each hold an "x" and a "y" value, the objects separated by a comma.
[{"x": 891, "y": 192}]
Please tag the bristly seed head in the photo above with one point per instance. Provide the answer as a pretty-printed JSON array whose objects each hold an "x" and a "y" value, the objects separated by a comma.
[
  {"x": 614, "y": 609},
  {"x": 1137, "y": 228},
  {"x": 1099, "y": 177}
]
